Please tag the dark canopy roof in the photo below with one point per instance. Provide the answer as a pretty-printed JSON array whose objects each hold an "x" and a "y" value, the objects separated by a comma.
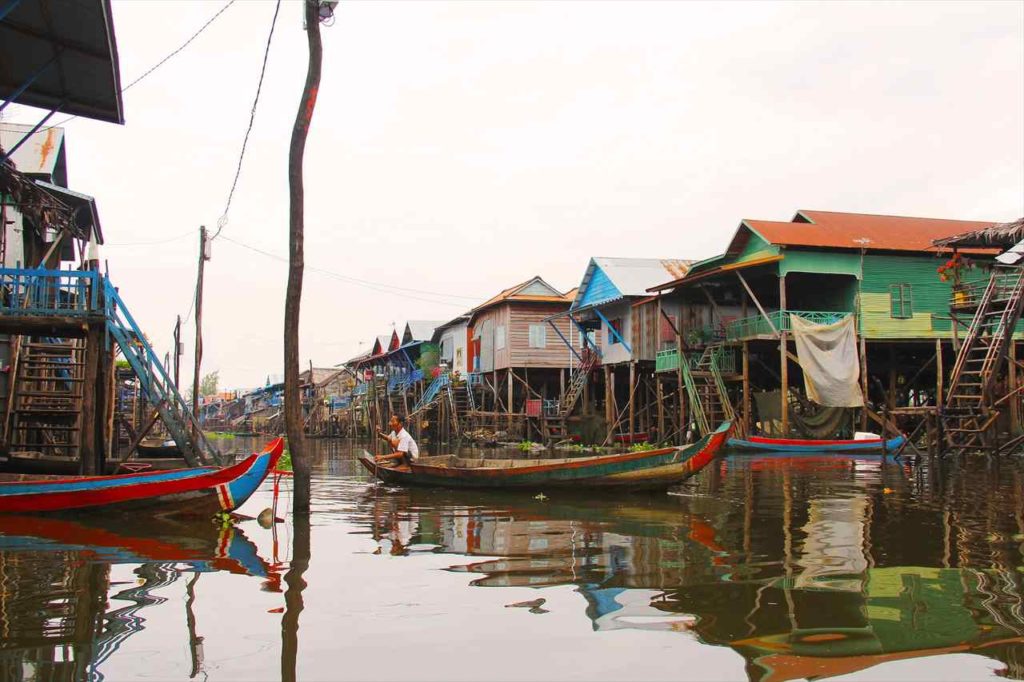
[{"x": 78, "y": 36}]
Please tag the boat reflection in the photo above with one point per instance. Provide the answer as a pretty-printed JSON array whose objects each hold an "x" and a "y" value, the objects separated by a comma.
[
  {"x": 56, "y": 582},
  {"x": 803, "y": 577}
]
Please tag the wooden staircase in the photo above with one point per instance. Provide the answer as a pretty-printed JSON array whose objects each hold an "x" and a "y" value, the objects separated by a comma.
[
  {"x": 578, "y": 382},
  {"x": 971, "y": 409},
  {"x": 709, "y": 398},
  {"x": 46, "y": 409}
]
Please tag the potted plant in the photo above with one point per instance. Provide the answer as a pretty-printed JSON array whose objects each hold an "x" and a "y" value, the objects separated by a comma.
[{"x": 953, "y": 270}]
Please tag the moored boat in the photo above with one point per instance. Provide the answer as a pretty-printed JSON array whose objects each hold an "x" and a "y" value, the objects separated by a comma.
[
  {"x": 186, "y": 492},
  {"x": 660, "y": 468},
  {"x": 795, "y": 446}
]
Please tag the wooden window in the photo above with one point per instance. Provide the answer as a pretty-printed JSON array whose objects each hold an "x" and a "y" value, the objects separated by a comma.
[
  {"x": 615, "y": 324},
  {"x": 901, "y": 301},
  {"x": 668, "y": 335},
  {"x": 538, "y": 336},
  {"x": 499, "y": 337}
]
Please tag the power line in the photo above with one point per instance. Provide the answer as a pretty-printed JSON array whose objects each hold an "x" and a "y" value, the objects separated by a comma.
[
  {"x": 162, "y": 61},
  {"x": 377, "y": 286},
  {"x": 223, "y": 220}
]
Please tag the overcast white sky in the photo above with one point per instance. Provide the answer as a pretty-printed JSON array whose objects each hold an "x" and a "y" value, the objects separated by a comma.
[{"x": 459, "y": 148}]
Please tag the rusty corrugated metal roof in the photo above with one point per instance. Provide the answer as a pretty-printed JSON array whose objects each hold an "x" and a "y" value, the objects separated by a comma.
[{"x": 828, "y": 229}]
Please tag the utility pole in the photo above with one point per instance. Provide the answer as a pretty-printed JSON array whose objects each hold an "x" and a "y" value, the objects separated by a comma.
[
  {"x": 177, "y": 353},
  {"x": 293, "y": 296},
  {"x": 204, "y": 255}
]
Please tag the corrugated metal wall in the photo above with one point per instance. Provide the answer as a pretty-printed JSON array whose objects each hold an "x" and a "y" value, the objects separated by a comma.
[
  {"x": 929, "y": 296},
  {"x": 599, "y": 288}
]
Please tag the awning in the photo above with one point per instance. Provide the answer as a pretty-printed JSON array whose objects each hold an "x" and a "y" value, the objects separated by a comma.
[
  {"x": 61, "y": 54},
  {"x": 87, "y": 219},
  {"x": 715, "y": 271}
]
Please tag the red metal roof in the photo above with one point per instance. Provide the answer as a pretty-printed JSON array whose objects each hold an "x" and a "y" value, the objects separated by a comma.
[{"x": 827, "y": 229}]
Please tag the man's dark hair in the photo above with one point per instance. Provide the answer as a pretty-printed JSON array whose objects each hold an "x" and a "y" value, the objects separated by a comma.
[{"x": 400, "y": 418}]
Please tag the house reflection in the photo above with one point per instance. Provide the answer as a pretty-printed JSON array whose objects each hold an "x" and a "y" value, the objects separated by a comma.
[
  {"x": 805, "y": 576},
  {"x": 55, "y": 584}
]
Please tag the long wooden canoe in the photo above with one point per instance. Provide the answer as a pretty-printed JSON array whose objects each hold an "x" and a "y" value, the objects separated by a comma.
[
  {"x": 791, "y": 445},
  {"x": 189, "y": 492},
  {"x": 659, "y": 468}
]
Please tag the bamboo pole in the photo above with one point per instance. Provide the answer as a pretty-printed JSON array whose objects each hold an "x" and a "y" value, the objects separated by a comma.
[{"x": 784, "y": 366}]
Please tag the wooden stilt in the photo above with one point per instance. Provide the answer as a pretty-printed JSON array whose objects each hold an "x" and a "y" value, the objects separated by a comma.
[
  {"x": 1012, "y": 381},
  {"x": 660, "y": 397},
  {"x": 746, "y": 387},
  {"x": 508, "y": 405},
  {"x": 784, "y": 361},
  {"x": 864, "y": 382},
  {"x": 91, "y": 389},
  {"x": 632, "y": 402},
  {"x": 938, "y": 372}
]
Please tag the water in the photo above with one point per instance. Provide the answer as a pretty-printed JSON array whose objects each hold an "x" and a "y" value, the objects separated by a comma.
[{"x": 762, "y": 569}]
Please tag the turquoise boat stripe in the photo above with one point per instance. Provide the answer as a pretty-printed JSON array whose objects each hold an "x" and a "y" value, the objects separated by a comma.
[{"x": 8, "y": 489}]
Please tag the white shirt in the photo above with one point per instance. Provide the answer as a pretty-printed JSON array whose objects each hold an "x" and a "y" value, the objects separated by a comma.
[{"x": 406, "y": 443}]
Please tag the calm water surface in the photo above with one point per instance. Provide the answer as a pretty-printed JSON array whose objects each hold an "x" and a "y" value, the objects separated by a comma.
[{"x": 761, "y": 569}]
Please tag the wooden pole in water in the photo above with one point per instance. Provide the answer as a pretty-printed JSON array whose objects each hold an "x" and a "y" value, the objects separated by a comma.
[
  {"x": 746, "y": 387},
  {"x": 784, "y": 360},
  {"x": 296, "y": 264},
  {"x": 199, "y": 326}
]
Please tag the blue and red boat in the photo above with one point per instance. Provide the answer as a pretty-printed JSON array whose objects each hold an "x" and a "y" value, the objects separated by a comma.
[
  {"x": 867, "y": 446},
  {"x": 202, "y": 491}
]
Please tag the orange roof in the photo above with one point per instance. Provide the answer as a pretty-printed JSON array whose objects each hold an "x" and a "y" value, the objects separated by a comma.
[
  {"x": 513, "y": 294},
  {"x": 827, "y": 229}
]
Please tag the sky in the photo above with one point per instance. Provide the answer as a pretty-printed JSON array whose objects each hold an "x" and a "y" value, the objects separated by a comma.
[{"x": 458, "y": 148}]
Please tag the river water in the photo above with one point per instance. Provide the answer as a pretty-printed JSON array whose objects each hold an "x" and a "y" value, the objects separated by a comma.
[{"x": 760, "y": 568}]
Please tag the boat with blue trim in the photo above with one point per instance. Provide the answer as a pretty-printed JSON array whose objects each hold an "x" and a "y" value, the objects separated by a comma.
[
  {"x": 202, "y": 491},
  {"x": 879, "y": 446},
  {"x": 648, "y": 469}
]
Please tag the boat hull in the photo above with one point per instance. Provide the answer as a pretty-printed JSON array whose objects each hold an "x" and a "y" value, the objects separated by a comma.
[
  {"x": 816, "y": 447},
  {"x": 653, "y": 469},
  {"x": 188, "y": 492}
]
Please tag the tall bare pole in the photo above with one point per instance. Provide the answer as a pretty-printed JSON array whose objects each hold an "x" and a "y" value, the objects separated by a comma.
[
  {"x": 293, "y": 295},
  {"x": 199, "y": 322},
  {"x": 177, "y": 353}
]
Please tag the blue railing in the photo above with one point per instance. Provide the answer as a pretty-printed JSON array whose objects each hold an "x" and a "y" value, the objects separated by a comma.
[
  {"x": 28, "y": 291},
  {"x": 433, "y": 390},
  {"x": 153, "y": 378}
]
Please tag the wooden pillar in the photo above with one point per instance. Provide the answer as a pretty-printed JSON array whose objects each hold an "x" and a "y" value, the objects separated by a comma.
[
  {"x": 783, "y": 360},
  {"x": 659, "y": 390},
  {"x": 890, "y": 399},
  {"x": 508, "y": 405},
  {"x": 494, "y": 389},
  {"x": 632, "y": 398},
  {"x": 561, "y": 384},
  {"x": 864, "y": 382},
  {"x": 746, "y": 388},
  {"x": 90, "y": 392},
  {"x": 607, "y": 396},
  {"x": 1012, "y": 380},
  {"x": 680, "y": 384},
  {"x": 938, "y": 373},
  {"x": 613, "y": 404},
  {"x": 105, "y": 417}
]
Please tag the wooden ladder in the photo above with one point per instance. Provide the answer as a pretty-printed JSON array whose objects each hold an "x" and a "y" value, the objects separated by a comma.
[
  {"x": 578, "y": 381},
  {"x": 705, "y": 386},
  {"x": 46, "y": 412},
  {"x": 969, "y": 412}
]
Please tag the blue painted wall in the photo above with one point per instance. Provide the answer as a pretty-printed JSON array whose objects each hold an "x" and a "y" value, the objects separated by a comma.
[{"x": 599, "y": 289}]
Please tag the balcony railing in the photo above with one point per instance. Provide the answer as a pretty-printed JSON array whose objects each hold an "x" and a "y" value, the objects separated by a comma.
[
  {"x": 668, "y": 361},
  {"x": 50, "y": 292},
  {"x": 757, "y": 326}
]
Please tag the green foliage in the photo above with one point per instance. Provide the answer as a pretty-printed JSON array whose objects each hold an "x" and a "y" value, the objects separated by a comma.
[
  {"x": 122, "y": 364},
  {"x": 642, "y": 447},
  {"x": 429, "y": 358},
  {"x": 525, "y": 446},
  {"x": 285, "y": 463},
  {"x": 217, "y": 435},
  {"x": 209, "y": 384}
]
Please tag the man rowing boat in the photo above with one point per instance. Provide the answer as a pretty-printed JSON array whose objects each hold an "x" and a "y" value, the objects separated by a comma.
[{"x": 405, "y": 450}]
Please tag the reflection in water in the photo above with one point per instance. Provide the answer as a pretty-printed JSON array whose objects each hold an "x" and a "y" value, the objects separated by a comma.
[
  {"x": 807, "y": 569},
  {"x": 55, "y": 582},
  {"x": 793, "y": 569}
]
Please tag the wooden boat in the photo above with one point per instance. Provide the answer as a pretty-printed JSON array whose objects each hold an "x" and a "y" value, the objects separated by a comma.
[
  {"x": 877, "y": 446},
  {"x": 158, "y": 449},
  {"x": 659, "y": 468},
  {"x": 202, "y": 491}
]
